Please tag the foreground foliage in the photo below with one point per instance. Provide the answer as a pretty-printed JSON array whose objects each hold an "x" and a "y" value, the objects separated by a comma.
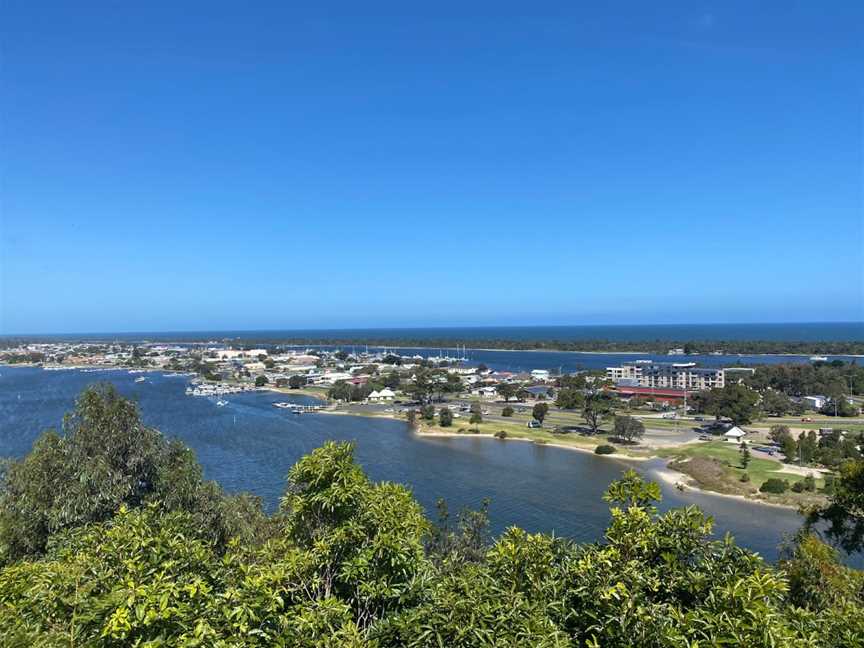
[{"x": 349, "y": 562}]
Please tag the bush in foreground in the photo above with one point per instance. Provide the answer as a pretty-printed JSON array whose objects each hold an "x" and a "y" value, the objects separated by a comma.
[
  {"x": 774, "y": 485},
  {"x": 350, "y": 562}
]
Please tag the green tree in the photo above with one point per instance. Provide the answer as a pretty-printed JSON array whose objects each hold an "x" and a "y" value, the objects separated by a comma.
[
  {"x": 807, "y": 446},
  {"x": 744, "y": 451},
  {"x": 539, "y": 411},
  {"x": 775, "y": 403},
  {"x": 507, "y": 411},
  {"x": 107, "y": 458},
  {"x": 596, "y": 407},
  {"x": 789, "y": 448},
  {"x": 260, "y": 381},
  {"x": 844, "y": 513},
  {"x": 296, "y": 381},
  {"x": 506, "y": 390},
  {"x": 736, "y": 402},
  {"x": 340, "y": 390},
  {"x": 779, "y": 432},
  {"x": 628, "y": 429},
  {"x": 569, "y": 399},
  {"x": 445, "y": 417}
]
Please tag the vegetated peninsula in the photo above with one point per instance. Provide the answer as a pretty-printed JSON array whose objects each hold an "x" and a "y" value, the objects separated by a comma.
[{"x": 110, "y": 536}]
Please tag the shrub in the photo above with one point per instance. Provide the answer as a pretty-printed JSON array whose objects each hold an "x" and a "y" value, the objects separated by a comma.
[
  {"x": 445, "y": 417},
  {"x": 745, "y": 477},
  {"x": 507, "y": 411},
  {"x": 798, "y": 487},
  {"x": 604, "y": 449},
  {"x": 809, "y": 483},
  {"x": 774, "y": 485},
  {"x": 501, "y": 434}
]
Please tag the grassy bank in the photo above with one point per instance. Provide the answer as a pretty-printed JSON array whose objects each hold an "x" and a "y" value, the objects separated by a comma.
[{"x": 716, "y": 466}]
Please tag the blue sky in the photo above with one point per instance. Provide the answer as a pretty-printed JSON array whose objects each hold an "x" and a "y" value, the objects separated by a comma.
[{"x": 226, "y": 165}]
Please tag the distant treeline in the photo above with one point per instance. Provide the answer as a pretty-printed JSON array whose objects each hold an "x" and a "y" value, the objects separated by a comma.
[
  {"x": 654, "y": 346},
  {"x": 697, "y": 347}
]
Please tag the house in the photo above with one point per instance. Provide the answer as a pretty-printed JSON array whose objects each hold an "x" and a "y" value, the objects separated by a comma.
[
  {"x": 539, "y": 374},
  {"x": 485, "y": 392},
  {"x": 734, "y": 434},
  {"x": 381, "y": 396},
  {"x": 815, "y": 402},
  {"x": 540, "y": 391}
]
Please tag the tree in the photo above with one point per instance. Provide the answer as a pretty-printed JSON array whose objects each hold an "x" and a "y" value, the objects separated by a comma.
[
  {"x": 539, "y": 411},
  {"x": 775, "y": 403},
  {"x": 475, "y": 408},
  {"x": 107, "y": 458},
  {"x": 596, "y": 407},
  {"x": 779, "y": 432},
  {"x": 789, "y": 448},
  {"x": 427, "y": 412},
  {"x": 844, "y": 513},
  {"x": 807, "y": 446},
  {"x": 507, "y": 411},
  {"x": 629, "y": 429},
  {"x": 838, "y": 405},
  {"x": 744, "y": 451},
  {"x": 445, "y": 417},
  {"x": 296, "y": 381},
  {"x": 476, "y": 419},
  {"x": 422, "y": 387},
  {"x": 260, "y": 381},
  {"x": 569, "y": 399},
  {"x": 735, "y": 402},
  {"x": 340, "y": 390},
  {"x": 506, "y": 390}
]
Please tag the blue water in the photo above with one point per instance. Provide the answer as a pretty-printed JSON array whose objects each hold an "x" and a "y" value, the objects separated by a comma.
[
  {"x": 250, "y": 445},
  {"x": 794, "y": 332}
]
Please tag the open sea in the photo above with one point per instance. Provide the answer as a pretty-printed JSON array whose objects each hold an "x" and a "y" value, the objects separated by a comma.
[{"x": 784, "y": 332}]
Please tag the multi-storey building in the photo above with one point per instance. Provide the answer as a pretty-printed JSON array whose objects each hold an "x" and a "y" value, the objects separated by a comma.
[{"x": 667, "y": 375}]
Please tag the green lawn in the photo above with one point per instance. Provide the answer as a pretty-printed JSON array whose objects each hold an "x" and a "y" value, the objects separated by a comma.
[{"x": 758, "y": 469}]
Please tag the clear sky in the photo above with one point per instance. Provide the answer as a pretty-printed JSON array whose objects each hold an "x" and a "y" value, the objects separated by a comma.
[{"x": 251, "y": 165}]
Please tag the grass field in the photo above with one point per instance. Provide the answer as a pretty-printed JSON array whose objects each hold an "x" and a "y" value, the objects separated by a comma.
[
  {"x": 727, "y": 478},
  {"x": 518, "y": 429}
]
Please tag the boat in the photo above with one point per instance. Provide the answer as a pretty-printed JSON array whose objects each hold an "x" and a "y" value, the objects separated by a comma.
[
  {"x": 140, "y": 379},
  {"x": 221, "y": 403},
  {"x": 818, "y": 359}
]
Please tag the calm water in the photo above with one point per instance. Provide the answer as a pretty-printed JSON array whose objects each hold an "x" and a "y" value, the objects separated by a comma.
[
  {"x": 798, "y": 332},
  {"x": 250, "y": 445}
]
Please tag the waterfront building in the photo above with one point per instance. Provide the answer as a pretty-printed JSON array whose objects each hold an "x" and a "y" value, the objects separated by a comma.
[{"x": 684, "y": 376}]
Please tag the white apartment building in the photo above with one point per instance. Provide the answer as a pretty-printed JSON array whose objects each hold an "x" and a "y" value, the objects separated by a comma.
[{"x": 668, "y": 375}]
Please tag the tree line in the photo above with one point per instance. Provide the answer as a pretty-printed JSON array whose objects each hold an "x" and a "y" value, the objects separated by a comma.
[{"x": 109, "y": 536}]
